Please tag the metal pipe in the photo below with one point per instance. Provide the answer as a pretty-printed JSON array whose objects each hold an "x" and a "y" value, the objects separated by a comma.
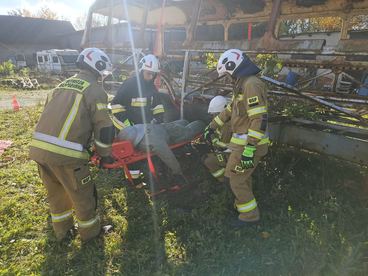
[
  {"x": 193, "y": 23},
  {"x": 275, "y": 12},
  {"x": 184, "y": 83},
  {"x": 204, "y": 85},
  {"x": 315, "y": 99}
]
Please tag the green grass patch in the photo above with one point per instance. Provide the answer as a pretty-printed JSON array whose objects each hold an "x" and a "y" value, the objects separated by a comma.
[{"x": 314, "y": 212}]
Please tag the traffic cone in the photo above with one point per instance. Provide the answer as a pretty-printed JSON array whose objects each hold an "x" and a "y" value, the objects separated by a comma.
[{"x": 15, "y": 104}]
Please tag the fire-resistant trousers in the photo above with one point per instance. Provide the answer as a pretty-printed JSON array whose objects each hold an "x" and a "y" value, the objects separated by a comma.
[
  {"x": 216, "y": 163},
  {"x": 71, "y": 187},
  {"x": 241, "y": 185}
]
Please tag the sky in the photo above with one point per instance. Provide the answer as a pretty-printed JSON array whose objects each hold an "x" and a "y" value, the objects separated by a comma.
[{"x": 68, "y": 9}]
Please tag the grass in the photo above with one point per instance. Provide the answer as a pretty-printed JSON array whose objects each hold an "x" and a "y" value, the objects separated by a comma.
[
  {"x": 24, "y": 97},
  {"x": 314, "y": 212}
]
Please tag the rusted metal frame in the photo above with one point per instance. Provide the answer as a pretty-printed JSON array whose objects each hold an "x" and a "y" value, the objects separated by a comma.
[
  {"x": 352, "y": 131},
  {"x": 275, "y": 13},
  {"x": 210, "y": 84},
  {"x": 314, "y": 99},
  {"x": 323, "y": 142},
  {"x": 234, "y": 21},
  {"x": 344, "y": 27},
  {"x": 333, "y": 97},
  {"x": 87, "y": 31},
  {"x": 327, "y": 13},
  {"x": 144, "y": 23},
  {"x": 108, "y": 33},
  {"x": 220, "y": 46},
  {"x": 355, "y": 80},
  {"x": 184, "y": 83},
  {"x": 204, "y": 85},
  {"x": 314, "y": 78},
  {"x": 193, "y": 23}
]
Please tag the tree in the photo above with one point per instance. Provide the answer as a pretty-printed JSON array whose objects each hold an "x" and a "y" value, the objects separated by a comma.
[
  {"x": 20, "y": 12},
  {"x": 44, "y": 12},
  {"x": 97, "y": 21}
]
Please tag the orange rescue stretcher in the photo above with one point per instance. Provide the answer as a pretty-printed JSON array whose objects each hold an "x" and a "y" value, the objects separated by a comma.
[{"x": 125, "y": 154}]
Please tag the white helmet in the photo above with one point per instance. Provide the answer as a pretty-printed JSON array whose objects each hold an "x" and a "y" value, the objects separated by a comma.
[
  {"x": 149, "y": 63},
  {"x": 217, "y": 104},
  {"x": 95, "y": 60},
  {"x": 229, "y": 61}
]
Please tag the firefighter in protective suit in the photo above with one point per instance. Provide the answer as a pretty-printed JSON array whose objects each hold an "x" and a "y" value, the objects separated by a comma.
[
  {"x": 139, "y": 104},
  {"x": 247, "y": 114},
  {"x": 216, "y": 160},
  {"x": 75, "y": 112}
]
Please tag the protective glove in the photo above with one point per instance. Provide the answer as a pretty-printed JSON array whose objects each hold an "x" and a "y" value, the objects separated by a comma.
[
  {"x": 106, "y": 160},
  {"x": 209, "y": 134},
  {"x": 247, "y": 158}
]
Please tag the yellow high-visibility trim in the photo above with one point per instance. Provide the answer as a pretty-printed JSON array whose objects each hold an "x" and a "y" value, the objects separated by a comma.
[
  {"x": 264, "y": 141},
  {"x": 71, "y": 117},
  {"x": 88, "y": 223},
  {"x": 247, "y": 207},
  {"x": 255, "y": 134},
  {"x": 158, "y": 110},
  {"x": 257, "y": 110},
  {"x": 135, "y": 174},
  {"x": 220, "y": 157},
  {"x": 219, "y": 121},
  {"x": 74, "y": 84},
  {"x": 253, "y": 100},
  {"x": 228, "y": 107},
  {"x": 102, "y": 145},
  {"x": 240, "y": 97},
  {"x": 220, "y": 144},
  {"x": 59, "y": 150},
  {"x": 238, "y": 141},
  {"x": 116, "y": 108},
  {"x": 119, "y": 125},
  {"x": 101, "y": 106},
  {"x": 138, "y": 104},
  {"x": 61, "y": 216},
  {"x": 218, "y": 173}
]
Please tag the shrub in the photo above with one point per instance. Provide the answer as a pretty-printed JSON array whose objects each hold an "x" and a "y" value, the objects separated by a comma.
[
  {"x": 24, "y": 72},
  {"x": 7, "y": 68}
]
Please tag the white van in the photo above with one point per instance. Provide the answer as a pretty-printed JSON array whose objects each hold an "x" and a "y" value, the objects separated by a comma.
[{"x": 57, "y": 61}]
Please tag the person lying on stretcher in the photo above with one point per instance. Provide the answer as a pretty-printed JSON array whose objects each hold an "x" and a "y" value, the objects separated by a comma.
[{"x": 158, "y": 137}]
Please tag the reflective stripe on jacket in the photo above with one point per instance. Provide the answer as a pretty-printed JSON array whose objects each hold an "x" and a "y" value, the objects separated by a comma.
[
  {"x": 75, "y": 112},
  {"x": 247, "y": 114},
  {"x": 139, "y": 106}
]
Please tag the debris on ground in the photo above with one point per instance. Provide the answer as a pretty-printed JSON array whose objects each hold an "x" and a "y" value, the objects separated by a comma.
[
  {"x": 4, "y": 144},
  {"x": 20, "y": 83}
]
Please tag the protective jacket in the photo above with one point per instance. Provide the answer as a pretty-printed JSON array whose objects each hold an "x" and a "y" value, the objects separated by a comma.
[
  {"x": 216, "y": 161},
  {"x": 75, "y": 111},
  {"x": 135, "y": 108},
  {"x": 223, "y": 136},
  {"x": 247, "y": 115}
]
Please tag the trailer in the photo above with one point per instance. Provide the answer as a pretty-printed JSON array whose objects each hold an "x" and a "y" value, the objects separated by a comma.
[{"x": 57, "y": 61}]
